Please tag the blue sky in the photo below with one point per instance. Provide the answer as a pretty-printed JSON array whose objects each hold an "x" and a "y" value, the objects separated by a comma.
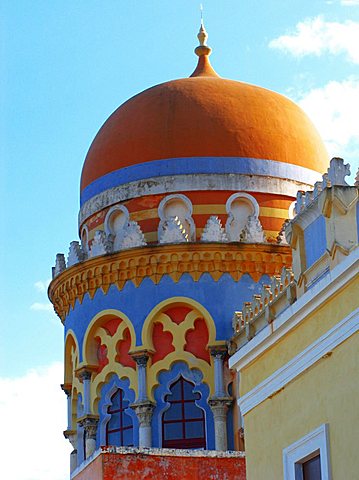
[{"x": 66, "y": 65}]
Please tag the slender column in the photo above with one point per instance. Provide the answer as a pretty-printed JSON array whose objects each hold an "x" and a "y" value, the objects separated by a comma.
[
  {"x": 67, "y": 389},
  {"x": 143, "y": 406},
  {"x": 144, "y": 411},
  {"x": 219, "y": 354},
  {"x": 85, "y": 377},
  {"x": 89, "y": 423},
  {"x": 71, "y": 435},
  {"x": 84, "y": 374},
  {"x": 220, "y": 401},
  {"x": 219, "y": 408},
  {"x": 141, "y": 361}
]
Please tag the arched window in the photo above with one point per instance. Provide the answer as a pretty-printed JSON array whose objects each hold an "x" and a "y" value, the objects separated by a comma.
[
  {"x": 183, "y": 423},
  {"x": 119, "y": 428}
]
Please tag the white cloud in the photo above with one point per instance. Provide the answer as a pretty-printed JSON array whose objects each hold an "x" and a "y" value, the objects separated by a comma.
[
  {"x": 43, "y": 307},
  {"x": 33, "y": 416},
  {"x": 316, "y": 36},
  {"x": 349, "y": 3},
  {"x": 331, "y": 108},
  {"x": 41, "y": 286}
]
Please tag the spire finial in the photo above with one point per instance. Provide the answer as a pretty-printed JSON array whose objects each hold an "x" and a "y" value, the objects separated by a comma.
[
  {"x": 202, "y": 34},
  {"x": 203, "y": 51}
]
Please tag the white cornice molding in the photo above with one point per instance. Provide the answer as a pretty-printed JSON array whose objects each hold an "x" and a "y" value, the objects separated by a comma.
[
  {"x": 296, "y": 313},
  {"x": 301, "y": 362}
]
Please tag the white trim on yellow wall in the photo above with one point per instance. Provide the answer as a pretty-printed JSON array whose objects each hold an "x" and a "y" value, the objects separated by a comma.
[
  {"x": 299, "y": 311},
  {"x": 315, "y": 442},
  {"x": 301, "y": 362}
]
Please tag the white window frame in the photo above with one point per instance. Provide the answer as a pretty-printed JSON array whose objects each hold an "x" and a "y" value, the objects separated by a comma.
[{"x": 312, "y": 444}]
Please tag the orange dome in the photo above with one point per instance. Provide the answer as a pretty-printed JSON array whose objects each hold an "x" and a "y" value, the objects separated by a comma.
[{"x": 204, "y": 116}]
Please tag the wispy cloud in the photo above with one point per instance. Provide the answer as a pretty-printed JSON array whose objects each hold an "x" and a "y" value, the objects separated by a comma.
[
  {"x": 350, "y": 3},
  {"x": 41, "y": 286},
  {"x": 331, "y": 109},
  {"x": 34, "y": 407},
  {"x": 43, "y": 307},
  {"x": 316, "y": 36}
]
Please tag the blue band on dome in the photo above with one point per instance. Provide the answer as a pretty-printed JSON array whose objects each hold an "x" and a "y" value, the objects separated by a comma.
[{"x": 199, "y": 165}]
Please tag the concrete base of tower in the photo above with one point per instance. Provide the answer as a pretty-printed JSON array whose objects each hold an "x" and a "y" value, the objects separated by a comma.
[{"x": 125, "y": 463}]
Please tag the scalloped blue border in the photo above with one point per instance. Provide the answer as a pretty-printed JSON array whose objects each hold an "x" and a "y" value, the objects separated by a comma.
[{"x": 166, "y": 378}]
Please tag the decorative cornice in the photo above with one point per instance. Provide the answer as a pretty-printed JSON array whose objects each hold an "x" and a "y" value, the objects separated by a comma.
[
  {"x": 320, "y": 348},
  {"x": 188, "y": 183},
  {"x": 154, "y": 262}
]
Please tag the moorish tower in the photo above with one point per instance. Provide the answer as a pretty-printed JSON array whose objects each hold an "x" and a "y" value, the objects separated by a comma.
[{"x": 184, "y": 192}]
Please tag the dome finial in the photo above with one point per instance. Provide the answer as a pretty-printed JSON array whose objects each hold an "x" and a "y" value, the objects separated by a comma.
[
  {"x": 202, "y": 34},
  {"x": 203, "y": 51}
]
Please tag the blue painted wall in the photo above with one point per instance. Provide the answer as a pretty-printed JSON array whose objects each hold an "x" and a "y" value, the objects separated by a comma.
[
  {"x": 220, "y": 298},
  {"x": 315, "y": 240}
]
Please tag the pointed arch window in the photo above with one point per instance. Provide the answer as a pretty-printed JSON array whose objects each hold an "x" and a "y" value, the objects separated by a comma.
[
  {"x": 183, "y": 423},
  {"x": 119, "y": 428}
]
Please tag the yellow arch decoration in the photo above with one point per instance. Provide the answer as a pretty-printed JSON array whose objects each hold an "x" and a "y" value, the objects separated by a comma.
[
  {"x": 178, "y": 332},
  {"x": 173, "y": 301},
  {"x": 101, "y": 314},
  {"x": 112, "y": 367}
]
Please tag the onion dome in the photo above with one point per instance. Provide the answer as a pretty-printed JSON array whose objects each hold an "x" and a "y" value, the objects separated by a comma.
[{"x": 204, "y": 116}]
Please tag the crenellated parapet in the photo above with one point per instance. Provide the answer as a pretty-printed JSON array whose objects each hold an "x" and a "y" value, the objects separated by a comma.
[
  {"x": 324, "y": 230},
  {"x": 325, "y": 227},
  {"x": 172, "y": 260},
  {"x": 172, "y": 230},
  {"x": 274, "y": 298}
]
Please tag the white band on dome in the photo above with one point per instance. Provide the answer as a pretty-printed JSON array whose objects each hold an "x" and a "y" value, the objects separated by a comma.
[{"x": 187, "y": 183}]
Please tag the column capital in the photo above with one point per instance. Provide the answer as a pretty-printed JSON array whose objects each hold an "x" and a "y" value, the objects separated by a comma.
[
  {"x": 67, "y": 388},
  {"x": 141, "y": 356},
  {"x": 218, "y": 351},
  {"x": 71, "y": 436},
  {"x": 144, "y": 411},
  {"x": 85, "y": 372},
  {"x": 219, "y": 406},
  {"x": 89, "y": 423}
]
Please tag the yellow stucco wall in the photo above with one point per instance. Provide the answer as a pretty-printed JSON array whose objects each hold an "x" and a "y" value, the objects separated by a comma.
[
  {"x": 327, "y": 392},
  {"x": 335, "y": 309}
]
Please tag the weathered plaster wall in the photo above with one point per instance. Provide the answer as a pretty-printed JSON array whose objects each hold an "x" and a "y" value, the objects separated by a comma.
[
  {"x": 135, "y": 466},
  {"x": 326, "y": 393},
  {"x": 334, "y": 310}
]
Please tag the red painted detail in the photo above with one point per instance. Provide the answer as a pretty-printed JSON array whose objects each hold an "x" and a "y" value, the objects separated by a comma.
[
  {"x": 135, "y": 466},
  {"x": 96, "y": 220},
  {"x": 101, "y": 354},
  {"x": 197, "y": 340},
  {"x": 144, "y": 203},
  {"x": 162, "y": 343},
  {"x": 111, "y": 325},
  {"x": 177, "y": 314},
  {"x": 123, "y": 347}
]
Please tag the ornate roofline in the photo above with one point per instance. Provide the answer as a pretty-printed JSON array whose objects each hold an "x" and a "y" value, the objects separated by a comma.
[{"x": 155, "y": 262}]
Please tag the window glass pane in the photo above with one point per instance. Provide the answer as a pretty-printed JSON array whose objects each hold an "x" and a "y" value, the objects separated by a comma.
[
  {"x": 311, "y": 469},
  {"x": 128, "y": 437},
  {"x": 194, "y": 429},
  {"x": 188, "y": 389},
  {"x": 192, "y": 411},
  {"x": 114, "y": 439},
  {"x": 174, "y": 412},
  {"x": 115, "y": 400},
  {"x": 175, "y": 391},
  {"x": 114, "y": 421},
  {"x": 173, "y": 430},
  {"x": 126, "y": 420}
]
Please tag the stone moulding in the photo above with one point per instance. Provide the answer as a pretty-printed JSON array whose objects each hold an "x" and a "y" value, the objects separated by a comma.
[{"x": 154, "y": 262}]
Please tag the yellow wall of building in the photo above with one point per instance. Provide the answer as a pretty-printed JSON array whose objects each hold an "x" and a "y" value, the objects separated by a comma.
[
  {"x": 327, "y": 392},
  {"x": 335, "y": 309}
]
